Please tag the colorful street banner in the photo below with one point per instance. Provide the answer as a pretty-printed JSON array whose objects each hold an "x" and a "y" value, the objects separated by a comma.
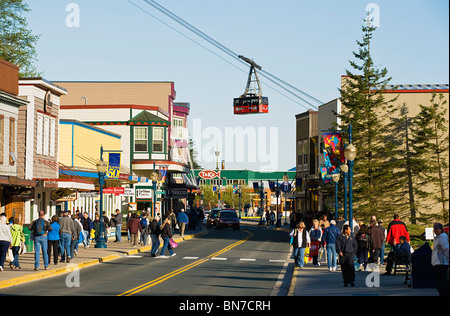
[
  {"x": 113, "y": 171},
  {"x": 326, "y": 175},
  {"x": 333, "y": 148}
]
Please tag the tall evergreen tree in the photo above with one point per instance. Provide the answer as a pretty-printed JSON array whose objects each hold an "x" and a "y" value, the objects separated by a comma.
[
  {"x": 17, "y": 42},
  {"x": 429, "y": 142},
  {"x": 365, "y": 107}
]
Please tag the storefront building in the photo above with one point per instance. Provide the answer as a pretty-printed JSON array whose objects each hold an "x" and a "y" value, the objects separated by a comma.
[{"x": 14, "y": 189}]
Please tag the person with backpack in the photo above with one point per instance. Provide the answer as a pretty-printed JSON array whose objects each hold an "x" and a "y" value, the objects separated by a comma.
[
  {"x": 144, "y": 225},
  {"x": 364, "y": 241},
  {"x": 39, "y": 230}
]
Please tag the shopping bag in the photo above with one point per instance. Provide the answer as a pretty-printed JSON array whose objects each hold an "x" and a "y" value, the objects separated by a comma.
[
  {"x": 23, "y": 248},
  {"x": 314, "y": 250},
  {"x": 173, "y": 244},
  {"x": 92, "y": 233},
  {"x": 306, "y": 257},
  {"x": 10, "y": 256}
]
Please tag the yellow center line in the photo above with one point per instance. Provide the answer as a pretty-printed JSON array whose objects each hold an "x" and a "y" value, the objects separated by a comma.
[{"x": 183, "y": 269}]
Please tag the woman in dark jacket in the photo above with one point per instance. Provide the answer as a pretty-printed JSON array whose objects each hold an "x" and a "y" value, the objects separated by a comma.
[
  {"x": 155, "y": 231},
  {"x": 364, "y": 241},
  {"x": 166, "y": 234}
]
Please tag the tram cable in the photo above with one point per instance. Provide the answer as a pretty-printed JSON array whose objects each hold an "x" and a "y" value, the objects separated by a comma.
[{"x": 227, "y": 51}]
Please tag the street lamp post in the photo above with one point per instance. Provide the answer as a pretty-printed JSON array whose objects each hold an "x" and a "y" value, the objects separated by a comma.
[
  {"x": 154, "y": 177},
  {"x": 335, "y": 178},
  {"x": 101, "y": 168},
  {"x": 344, "y": 169},
  {"x": 350, "y": 155}
]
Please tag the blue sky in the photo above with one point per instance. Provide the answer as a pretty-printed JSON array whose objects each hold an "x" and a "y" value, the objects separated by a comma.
[{"x": 306, "y": 43}]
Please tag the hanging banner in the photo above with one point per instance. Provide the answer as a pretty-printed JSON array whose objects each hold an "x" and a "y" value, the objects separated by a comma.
[
  {"x": 326, "y": 175},
  {"x": 333, "y": 151},
  {"x": 113, "y": 171}
]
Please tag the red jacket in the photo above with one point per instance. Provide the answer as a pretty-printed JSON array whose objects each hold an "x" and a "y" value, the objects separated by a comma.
[{"x": 396, "y": 229}]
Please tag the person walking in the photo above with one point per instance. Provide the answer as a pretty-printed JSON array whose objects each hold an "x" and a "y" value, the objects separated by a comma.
[
  {"x": 300, "y": 241},
  {"x": 87, "y": 225},
  {"x": 155, "y": 231},
  {"x": 5, "y": 239},
  {"x": 347, "y": 247},
  {"x": 395, "y": 229},
  {"x": 66, "y": 232},
  {"x": 77, "y": 231},
  {"x": 166, "y": 234},
  {"x": 329, "y": 237},
  {"x": 134, "y": 226},
  {"x": 383, "y": 244},
  {"x": 144, "y": 221},
  {"x": 439, "y": 259},
  {"x": 376, "y": 234},
  {"x": 364, "y": 241},
  {"x": 316, "y": 238},
  {"x": 118, "y": 219},
  {"x": 17, "y": 238},
  {"x": 39, "y": 230},
  {"x": 53, "y": 239},
  {"x": 182, "y": 220}
]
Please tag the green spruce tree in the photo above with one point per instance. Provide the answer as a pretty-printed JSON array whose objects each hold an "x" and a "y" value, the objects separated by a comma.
[
  {"x": 429, "y": 162},
  {"x": 365, "y": 107}
]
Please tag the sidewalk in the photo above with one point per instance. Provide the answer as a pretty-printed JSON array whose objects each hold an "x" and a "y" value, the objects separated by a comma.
[{"x": 86, "y": 257}]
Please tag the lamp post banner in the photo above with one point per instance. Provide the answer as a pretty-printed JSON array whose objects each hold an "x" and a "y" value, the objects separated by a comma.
[
  {"x": 113, "y": 171},
  {"x": 333, "y": 151}
]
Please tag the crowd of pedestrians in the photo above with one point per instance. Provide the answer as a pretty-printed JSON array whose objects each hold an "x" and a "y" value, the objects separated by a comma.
[{"x": 343, "y": 242}]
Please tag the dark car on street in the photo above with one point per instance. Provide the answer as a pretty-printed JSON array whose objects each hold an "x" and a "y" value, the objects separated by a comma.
[
  {"x": 211, "y": 219},
  {"x": 227, "y": 218}
]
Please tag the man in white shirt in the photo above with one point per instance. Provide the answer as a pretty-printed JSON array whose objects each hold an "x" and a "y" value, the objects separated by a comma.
[{"x": 439, "y": 259}]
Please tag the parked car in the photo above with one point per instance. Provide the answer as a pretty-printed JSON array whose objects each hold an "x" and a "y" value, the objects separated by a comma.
[
  {"x": 227, "y": 218},
  {"x": 211, "y": 220}
]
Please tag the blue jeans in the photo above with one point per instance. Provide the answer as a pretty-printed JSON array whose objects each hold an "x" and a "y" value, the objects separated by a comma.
[
  {"x": 166, "y": 245},
  {"x": 331, "y": 255},
  {"x": 87, "y": 237},
  {"x": 119, "y": 233},
  {"x": 299, "y": 256},
  {"x": 65, "y": 242},
  {"x": 40, "y": 242},
  {"x": 382, "y": 253},
  {"x": 155, "y": 243}
]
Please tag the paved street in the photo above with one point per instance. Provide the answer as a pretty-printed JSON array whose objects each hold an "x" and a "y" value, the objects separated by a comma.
[{"x": 254, "y": 261}]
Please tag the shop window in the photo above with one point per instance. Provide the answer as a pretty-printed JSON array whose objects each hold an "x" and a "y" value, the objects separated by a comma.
[{"x": 141, "y": 139}]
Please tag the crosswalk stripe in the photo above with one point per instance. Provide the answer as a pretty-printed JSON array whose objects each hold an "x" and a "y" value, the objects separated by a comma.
[{"x": 190, "y": 258}]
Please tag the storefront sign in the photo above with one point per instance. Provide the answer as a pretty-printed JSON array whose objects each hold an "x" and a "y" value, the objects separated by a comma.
[
  {"x": 209, "y": 174},
  {"x": 116, "y": 191},
  {"x": 177, "y": 193},
  {"x": 144, "y": 193}
]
